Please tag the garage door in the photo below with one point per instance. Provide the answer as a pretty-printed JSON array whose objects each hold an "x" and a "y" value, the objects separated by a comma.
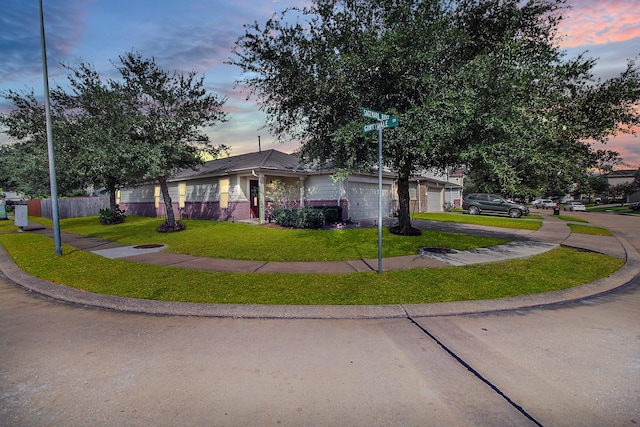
[
  {"x": 363, "y": 201},
  {"x": 434, "y": 200}
]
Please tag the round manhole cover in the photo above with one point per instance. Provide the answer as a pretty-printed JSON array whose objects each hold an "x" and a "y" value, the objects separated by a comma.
[{"x": 148, "y": 246}]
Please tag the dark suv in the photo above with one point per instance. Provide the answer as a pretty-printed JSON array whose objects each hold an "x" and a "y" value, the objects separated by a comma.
[{"x": 478, "y": 202}]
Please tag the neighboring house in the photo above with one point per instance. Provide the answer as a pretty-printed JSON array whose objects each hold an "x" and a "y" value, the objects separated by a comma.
[
  {"x": 431, "y": 191},
  {"x": 622, "y": 176},
  {"x": 232, "y": 189}
]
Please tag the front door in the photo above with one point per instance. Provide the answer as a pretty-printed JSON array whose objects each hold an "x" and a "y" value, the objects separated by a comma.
[{"x": 254, "y": 196}]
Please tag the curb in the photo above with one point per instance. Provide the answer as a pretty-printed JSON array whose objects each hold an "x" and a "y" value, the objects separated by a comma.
[{"x": 625, "y": 275}]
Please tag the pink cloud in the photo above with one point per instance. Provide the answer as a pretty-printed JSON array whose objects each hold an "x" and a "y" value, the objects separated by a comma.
[{"x": 593, "y": 22}]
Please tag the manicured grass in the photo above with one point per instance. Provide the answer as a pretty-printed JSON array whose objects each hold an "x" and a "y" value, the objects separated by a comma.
[
  {"x": 217, "y": 239},
  {"x": 588, "y": 229},
  {"x": 571, "y": 218},
  {"x": 533, "y": 222},
  {"x": 615, "y": 209},
  {"x": 83, "y": 270}
]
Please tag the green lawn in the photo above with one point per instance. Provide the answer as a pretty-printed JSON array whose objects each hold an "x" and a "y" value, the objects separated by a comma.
[
  {"x": 83, "y": 270},
  {"x": 218, "y": 239},
  {"x": 571, "y": 218},
  {"x": 532, "y": 222},
  {"x": 615, "y": 209},
  {"x": 588, "y": 229}
]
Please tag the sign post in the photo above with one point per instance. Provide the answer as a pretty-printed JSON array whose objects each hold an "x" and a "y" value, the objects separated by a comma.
[{"x": 382, "y": 121}]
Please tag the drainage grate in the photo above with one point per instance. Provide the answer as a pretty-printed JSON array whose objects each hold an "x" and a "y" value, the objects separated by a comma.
[
  {"x": 148, "y": 246},
  {"x": 435, "y": 250}
]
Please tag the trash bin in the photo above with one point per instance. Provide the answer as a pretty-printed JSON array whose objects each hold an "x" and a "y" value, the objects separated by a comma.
[{"x": 556, "y": 210}]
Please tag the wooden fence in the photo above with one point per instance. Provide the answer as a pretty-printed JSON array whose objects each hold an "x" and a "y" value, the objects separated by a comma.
[{"x": 72, "y": 207}]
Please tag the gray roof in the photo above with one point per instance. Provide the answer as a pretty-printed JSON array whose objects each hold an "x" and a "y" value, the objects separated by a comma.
[
  {"x": 622, "y": 173},
  {"x": 259, "y": 161}
]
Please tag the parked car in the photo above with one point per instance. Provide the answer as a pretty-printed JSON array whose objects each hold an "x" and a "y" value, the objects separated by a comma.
[
  {"x": 548, "y": 204},
  {"x": 634, "y": 205},
  {"x": 575, "y": 206},
  {"x": 477, "y": 203}
]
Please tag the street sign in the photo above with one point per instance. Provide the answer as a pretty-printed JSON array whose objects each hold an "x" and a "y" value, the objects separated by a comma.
[
  {"x": 391, "y": 122},
  {"x": 370, "y": 127},
  {"x": 381, "y": 121},
  {"x": 375, "y": 115}
]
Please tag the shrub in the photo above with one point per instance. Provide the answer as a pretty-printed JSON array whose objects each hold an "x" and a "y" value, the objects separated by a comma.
[
  {"x": 310, "y": 218},
  {"x": 299, "y": 218},
  {"x": 108, "y": 217},
  {"x": 332, "y": 214},
  {"x": 281, "y": 196}
]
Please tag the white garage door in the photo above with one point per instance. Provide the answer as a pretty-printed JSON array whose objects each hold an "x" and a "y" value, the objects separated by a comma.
[
  {"x": 363, "y": 201},
  {"x": 434, "y": 200}
]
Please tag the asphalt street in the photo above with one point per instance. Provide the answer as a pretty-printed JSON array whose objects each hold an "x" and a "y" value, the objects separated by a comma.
[{"x": 564, "y": 364}]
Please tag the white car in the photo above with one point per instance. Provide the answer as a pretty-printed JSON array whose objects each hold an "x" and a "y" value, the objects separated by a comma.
[
  {"x": 547, "y": 204},
  {"x": 575, "y": 206}
]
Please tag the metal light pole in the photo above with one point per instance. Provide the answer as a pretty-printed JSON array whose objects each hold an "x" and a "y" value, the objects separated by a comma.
[
  {"x": 380, "y": 197},
  {"x": 52, "y": 166}
]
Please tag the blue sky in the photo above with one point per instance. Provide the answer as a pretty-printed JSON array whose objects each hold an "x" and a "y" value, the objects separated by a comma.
[{"x": 197, "y": 35}]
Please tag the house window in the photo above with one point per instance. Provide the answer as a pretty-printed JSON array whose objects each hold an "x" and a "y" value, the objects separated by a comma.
[
  {"x": 118, "y": 197},
  {"x": 156, "y": 195},
  {"x": 182, "y": 194},
  {"x": 224, "y": 193}
]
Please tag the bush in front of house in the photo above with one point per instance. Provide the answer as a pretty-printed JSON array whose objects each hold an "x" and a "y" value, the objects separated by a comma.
[
  {"x": 299, "y": 218},
  {"x": 332, "y": 214},
  {"x": 109, "y": 217}
]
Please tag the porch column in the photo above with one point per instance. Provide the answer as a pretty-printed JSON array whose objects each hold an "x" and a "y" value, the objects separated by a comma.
[
  {"x": 302, "y": 191},
  {"x": 262, "y": 193}
]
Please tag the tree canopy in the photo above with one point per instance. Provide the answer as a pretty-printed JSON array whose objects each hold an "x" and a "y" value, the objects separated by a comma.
[
  {"x": 170, "y": 110},
  {"x": 478, "y": 83},
  {"x": 99, "y": 119},
  {"x": 112, "y": 133},
  {"x": 24, "y": 159}
]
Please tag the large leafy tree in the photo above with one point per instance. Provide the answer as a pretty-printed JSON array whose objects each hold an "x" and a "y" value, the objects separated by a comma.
[
  {"x": 171, "y": 111},
  {"x": 99, "y": 120},
  {"x": 480, "y": 83},
  {"x": 23, "y": 167}
]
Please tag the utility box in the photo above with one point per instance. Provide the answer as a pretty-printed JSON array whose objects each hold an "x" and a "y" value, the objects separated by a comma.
[
  {"x": 21, "y": 215},
  {"x": 3, "y": 210}
]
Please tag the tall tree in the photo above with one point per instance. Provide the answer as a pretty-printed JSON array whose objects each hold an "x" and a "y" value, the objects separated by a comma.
[
  {"x": 24, "y": 161},
  {"x": 171, "y": 110},
  {"x": 480, "y": 83},
  {"x": 99, "y": 119}
]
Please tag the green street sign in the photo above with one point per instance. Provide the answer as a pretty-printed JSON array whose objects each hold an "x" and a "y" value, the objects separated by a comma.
[
  {"x": 370, "y": 127},
  {"x": 391, "y": 122},
  {"x": 375, "y": 115}
]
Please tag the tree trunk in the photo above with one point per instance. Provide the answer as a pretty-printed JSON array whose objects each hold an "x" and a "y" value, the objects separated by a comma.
[
  {"x": 404, "y": 219},
  {"x": 111, "y": 188},
  {"x": 168, "y": 205}
]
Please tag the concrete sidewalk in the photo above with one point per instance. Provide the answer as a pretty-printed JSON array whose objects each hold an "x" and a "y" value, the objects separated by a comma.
[{"x": 553, "y": 233}]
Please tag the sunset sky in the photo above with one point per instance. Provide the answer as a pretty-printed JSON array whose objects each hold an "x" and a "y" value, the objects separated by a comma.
[{"x": 197, "y": 35}]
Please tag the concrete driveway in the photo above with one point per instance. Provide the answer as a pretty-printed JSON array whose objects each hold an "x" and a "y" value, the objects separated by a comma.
[{"x": 572, "y": 364}]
